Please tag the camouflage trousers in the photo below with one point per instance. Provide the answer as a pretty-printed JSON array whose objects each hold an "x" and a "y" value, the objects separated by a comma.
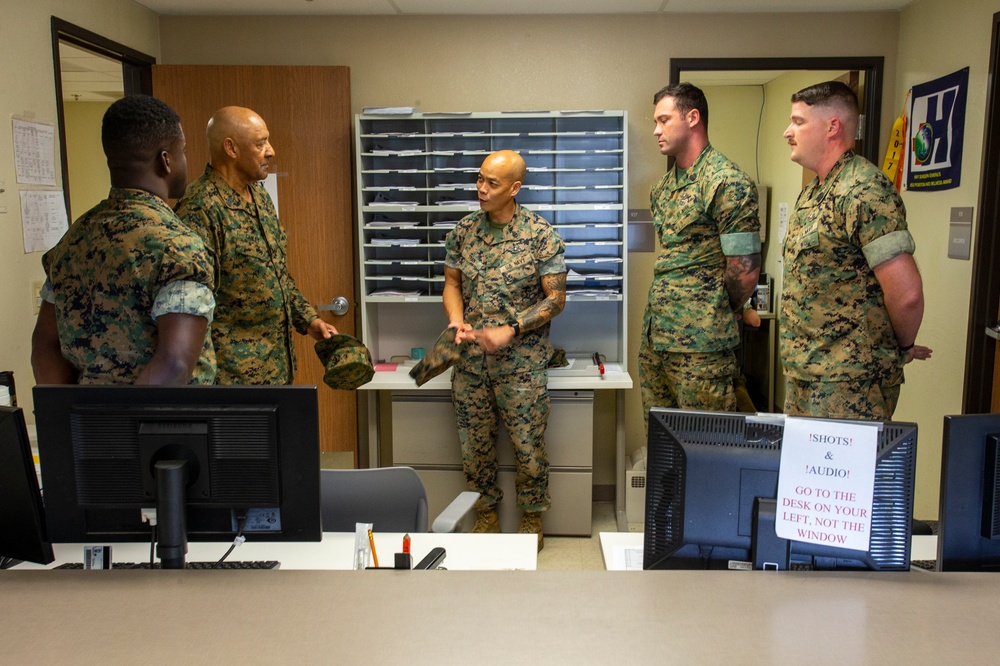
[
  {"x": 865, "y": 399},
  {"x": 521, "y": 401},
  {"x": 697, "y": 380}
]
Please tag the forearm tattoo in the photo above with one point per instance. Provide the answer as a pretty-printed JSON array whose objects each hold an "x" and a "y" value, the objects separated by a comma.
[
  {"x": 555, "y": 300},
  {"x": 741, "y": 272}
]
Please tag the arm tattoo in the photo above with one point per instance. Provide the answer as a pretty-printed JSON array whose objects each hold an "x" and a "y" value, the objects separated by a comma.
[
  {"x": 555, "y": 300},
  {"x": 741, "y": 278}
]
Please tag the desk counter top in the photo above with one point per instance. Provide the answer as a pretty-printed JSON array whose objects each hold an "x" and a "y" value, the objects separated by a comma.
[
  {"x": 586, "y": 378},
  {"x": 546, "y": 617},
  {"x": 464, "y": 551}
]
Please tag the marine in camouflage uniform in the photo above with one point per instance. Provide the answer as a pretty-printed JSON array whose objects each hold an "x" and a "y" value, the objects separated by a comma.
[
  {"x": 121, "y": 265},
  {"x": 257, "y": 303},
  {"x": 837, "y": 344},
  {"x": 702, "y": 215},
  {"x": 852, "y": 298},
  {"x": 501, "y": 279}
]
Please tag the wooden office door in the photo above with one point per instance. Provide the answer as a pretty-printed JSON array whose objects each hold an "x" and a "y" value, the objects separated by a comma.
[{"x": 308, "y": 113}]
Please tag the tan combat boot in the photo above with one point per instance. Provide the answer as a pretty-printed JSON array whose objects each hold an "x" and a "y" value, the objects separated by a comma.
[
  {"x": 531, "y": 523},
  {"x": 487, "y": 523}
]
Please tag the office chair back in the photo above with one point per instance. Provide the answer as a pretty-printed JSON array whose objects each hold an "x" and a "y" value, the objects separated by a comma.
[{"x": 391, "y": 498}]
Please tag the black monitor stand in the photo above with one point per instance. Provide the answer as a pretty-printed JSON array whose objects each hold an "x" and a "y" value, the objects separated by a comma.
[
  {"x": 171, "y": 487},
  {"x": 769, "y": 551}
]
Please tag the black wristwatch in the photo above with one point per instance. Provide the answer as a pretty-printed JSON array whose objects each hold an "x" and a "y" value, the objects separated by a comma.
[
  {"x": 516, "y": 327},
  {"x": 907, "y": 347}
]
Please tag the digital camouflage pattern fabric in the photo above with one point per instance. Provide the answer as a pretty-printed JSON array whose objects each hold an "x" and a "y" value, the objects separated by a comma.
[
  {"x": 701, "y": 216},
  {"x": 501, "y": 278},
  {"x": 860, "y": 399},
  {"x": 442, "y": 356},
  {"x": 522, "y": 401},
  {"x": 347, "y": 361},
  {"x": 257, "y": 303},
  {"x": 834, "y": 324},
  {"x": 123, "y": 263},
  {"x": 687, "y": 380}
]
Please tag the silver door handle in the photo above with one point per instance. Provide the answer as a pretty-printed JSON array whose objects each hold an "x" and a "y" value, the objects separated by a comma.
[
  {"x": 339, "y": 306},
  {"x": 993, "y": 331}
]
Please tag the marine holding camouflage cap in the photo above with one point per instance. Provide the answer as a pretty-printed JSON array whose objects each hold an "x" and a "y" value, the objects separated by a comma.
[
  {"x": 852, "y": 298},
  {"x": 505, "y": 279},
  {"x": 128, "y": 295},
  {"x": 258, "y": 303}
]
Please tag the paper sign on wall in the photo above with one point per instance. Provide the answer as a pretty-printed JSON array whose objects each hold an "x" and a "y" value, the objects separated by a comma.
[
  {"x": 826, "y": 482},
  {"x": 43, "y": 219},
  {"x": 271, "y": 185}
]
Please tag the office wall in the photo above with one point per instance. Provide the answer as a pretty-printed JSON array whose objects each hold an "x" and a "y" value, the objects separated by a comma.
[
  {"x": 538, "y": 62},
  {"x": 28, "y": 86},
  {"x": 935, "y": 41},
  {"x": 733, "y": 114},
  {"x": 89, "y": 180}
]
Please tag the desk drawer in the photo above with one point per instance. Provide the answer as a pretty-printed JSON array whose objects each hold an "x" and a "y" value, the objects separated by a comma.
[{"x": 424, "y": 431}]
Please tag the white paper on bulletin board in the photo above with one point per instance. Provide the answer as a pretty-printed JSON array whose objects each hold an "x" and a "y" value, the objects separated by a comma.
[
  {"x": 826, "y": 482},
  {"x": 43, "y": 219},
  {"x": 271, "y": 185},
  {"x": 34, "y": 152}
]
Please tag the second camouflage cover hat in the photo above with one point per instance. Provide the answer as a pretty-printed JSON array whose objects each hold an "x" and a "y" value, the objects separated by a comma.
[
  {"x": 348, "y": 362},
  {"x": 441, "y": 357}
]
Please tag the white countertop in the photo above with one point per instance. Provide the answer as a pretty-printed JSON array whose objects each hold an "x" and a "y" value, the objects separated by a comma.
[{"x": 584, "y": 377}]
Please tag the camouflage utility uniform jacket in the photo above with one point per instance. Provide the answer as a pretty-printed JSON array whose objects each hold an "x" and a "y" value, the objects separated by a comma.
[
  {"x": 122, "y": 264},
  {"x": 834, "y": 324},
  {"x": 702, "y": 215},
  {"x": 257, "y": 302},
  {"x": 501, "y": 279}
]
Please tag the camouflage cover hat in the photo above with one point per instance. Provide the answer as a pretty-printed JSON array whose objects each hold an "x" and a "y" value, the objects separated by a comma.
[
  {"x": 441, "y": 357},
  {"x": 348, "y": 362}
]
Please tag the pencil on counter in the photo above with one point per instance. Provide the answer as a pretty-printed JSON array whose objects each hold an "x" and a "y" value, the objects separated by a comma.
[{"x": 371, "y": 541}]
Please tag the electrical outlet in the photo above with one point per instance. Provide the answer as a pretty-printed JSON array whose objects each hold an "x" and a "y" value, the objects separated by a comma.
[{"x": 36, "y": 295}]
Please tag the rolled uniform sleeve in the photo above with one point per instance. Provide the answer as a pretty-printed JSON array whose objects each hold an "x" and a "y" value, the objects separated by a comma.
[
  {"x": 889, "y": 246},
  {"x": 740, "y": 244},
  {"x": 184, "y": 297},
  {"x": 47, "y": 294}
]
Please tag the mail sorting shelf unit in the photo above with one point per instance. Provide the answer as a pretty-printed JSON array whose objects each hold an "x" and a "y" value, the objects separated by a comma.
[{"x": 416, "y": 177}]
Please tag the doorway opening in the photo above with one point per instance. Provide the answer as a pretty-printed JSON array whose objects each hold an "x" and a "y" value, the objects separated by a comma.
[{"x": 91, "y": 72}]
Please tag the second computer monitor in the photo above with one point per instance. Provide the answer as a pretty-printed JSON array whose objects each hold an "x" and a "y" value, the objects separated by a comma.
[{"x": 969, "y": 528}]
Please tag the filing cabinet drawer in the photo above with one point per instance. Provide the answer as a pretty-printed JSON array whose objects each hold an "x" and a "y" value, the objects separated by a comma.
[{"x": 424, "y": 430}]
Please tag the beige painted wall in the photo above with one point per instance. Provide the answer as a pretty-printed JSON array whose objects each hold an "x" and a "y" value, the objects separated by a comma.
[
  {"x": 733, "y": 112},
  {"x": 934, "y": 43},
  {"x": 89, "y": 180},
  {"x": 28, "y": 86}
]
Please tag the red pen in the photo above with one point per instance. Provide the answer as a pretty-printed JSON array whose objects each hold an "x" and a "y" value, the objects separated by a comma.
[
  {"x": 598, "y": 362},
  {"x": 406, "y": 543}
]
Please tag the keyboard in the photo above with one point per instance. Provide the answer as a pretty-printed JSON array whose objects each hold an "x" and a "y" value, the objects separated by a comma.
[
  {"x": 928, "y": 565},
  {"x": 234, "y": 565}
]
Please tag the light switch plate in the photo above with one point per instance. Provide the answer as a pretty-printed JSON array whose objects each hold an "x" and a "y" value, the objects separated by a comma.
[{"x": 961, "y": 215}]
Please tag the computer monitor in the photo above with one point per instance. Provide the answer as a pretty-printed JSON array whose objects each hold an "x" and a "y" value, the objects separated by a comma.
[
  {"x": 969, "y": 515},
  {"x": 22, "y": 520},
  {"x": 209, "y": 459},
  {"x": 711, "y": 484}
]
